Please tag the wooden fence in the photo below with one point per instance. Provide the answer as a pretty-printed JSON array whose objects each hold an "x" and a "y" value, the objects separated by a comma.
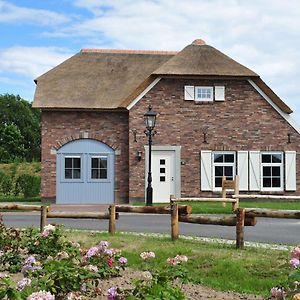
[{"x": 240, "y": 218}]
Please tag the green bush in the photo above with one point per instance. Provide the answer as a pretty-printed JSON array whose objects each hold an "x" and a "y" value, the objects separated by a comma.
[
  {"x": 6, "y": 184},
  {"x": 28, "y": 185}
]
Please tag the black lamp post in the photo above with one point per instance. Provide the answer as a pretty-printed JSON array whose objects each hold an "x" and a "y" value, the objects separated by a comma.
[{"x": 150, "y": 118}]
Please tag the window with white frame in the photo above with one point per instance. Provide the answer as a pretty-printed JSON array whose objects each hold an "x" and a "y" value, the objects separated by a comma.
[
  {"x": 98, "y": 167},
  {"x": 204, "y": 93},
  {"x": 72, "y": 167},
  {"x": 223, "y": 165},
  {"x": 272, "y": 171}
]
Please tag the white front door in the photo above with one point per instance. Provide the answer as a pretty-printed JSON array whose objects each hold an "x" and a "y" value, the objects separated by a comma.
[{"x": 163, "y": 175}]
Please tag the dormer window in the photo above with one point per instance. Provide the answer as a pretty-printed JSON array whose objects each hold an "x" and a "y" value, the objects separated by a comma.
[{"x": 204, "y": 93}]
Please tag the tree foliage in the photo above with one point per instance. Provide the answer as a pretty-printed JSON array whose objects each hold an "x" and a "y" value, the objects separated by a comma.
[{"x": 19, "y": 129}]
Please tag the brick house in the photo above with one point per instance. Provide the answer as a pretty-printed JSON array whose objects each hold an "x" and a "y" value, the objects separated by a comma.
[{"x": 215, "y": 117}]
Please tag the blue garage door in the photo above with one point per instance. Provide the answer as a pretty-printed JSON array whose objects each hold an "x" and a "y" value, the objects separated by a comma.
[{"x": 85, "y": 173}]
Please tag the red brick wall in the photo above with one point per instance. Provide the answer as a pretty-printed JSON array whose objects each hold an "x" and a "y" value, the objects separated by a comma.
[
  {"x": 60, "y": 127},
  {"x": 244, "y": 121}
]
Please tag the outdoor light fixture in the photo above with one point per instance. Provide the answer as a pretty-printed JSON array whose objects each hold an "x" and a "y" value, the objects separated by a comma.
[
  {"x": 150, "y": 118},
  {"x": 139, "y": 155}
]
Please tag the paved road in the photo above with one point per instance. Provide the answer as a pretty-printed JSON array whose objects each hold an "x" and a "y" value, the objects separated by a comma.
[{"x": 279, "y": 231}]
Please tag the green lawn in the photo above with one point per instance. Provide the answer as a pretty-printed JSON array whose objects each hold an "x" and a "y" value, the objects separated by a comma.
[
  {"x": 222, "y": 267},
  {"x": 217, "y": 208}
]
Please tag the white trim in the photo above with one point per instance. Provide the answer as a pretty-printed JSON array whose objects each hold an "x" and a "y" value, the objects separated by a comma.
[
  {"x": 211, "y": 99},
  {"x": 143, "y": 93},
  {"x": 222, "y": 164},
  {"x": 271, "y": 164},
  {"x": 286, "y": 116}
]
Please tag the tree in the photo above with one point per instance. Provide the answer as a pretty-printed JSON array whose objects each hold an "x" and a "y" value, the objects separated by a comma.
[{"x": 19, "y": 129}]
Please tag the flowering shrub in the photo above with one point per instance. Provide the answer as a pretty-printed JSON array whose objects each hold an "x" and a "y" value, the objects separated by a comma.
[
  {"x": 293, "y": 290},
  {"x": 154, "y": 284},
  {"x": 54, "y": 267}
]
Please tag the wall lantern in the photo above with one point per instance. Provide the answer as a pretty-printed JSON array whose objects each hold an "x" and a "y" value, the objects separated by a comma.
[{"x": 139, "y": 155}]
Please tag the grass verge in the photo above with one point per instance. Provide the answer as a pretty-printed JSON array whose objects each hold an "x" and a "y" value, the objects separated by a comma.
[
  {"x": 222, "y": 267},
  {"x": 217, "y": 208}
]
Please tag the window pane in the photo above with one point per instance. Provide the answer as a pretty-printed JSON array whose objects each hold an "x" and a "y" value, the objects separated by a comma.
[
  {"x": 267, "y": 182},
  {"x": 68, "y": 173},
  {"x": 162, "y": 170},
  {"x": 76, "y": 173},
  {"x": 266, "y": 171},
  {"x": 218, "y": 157},
  {"x": 162, "y": 178},
  {"x": 218, "y": 171},
  {"x": 276, "y": 158},
  {"x": 228, "y": 171},
  {"x": 218, "y": 182},
  {"x": 95, "y": 173},
  {"x": 103, "y": 174},
  {"x": 229, "y": 158},
  {"x": 162, "y": 161},
  {"x": 103, "y": 163},
  {"x": 68, "y": 163},
  {"x": 266, "y": 158},
  {"x": 95, "y": 161},
  {"x": 276, "y": 182},
  {"x": 76, "y": 163},
  {"x": 276, "y": 171}
]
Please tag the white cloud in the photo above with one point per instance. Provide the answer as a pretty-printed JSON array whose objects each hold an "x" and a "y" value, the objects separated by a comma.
[
  {"x": 31, "y": 61},
  {"x": 10, "y": 13}
]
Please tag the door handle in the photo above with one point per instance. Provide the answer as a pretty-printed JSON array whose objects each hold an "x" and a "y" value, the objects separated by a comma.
[{"x": 172, "y": 178}]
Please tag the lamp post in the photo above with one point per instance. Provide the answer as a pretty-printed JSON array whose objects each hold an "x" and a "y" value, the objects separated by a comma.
[{"x": 150, "y": 118}]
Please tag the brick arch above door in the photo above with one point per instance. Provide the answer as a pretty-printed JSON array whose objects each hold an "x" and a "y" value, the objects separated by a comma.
[{"x": 83, "y": 135}]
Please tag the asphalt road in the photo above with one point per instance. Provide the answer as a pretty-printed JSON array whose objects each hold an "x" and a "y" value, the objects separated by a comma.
[{"x": 278, "y": 231}]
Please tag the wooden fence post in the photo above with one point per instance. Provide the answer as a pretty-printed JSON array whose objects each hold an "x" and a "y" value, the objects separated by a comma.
[
  {"x": 174, "y": 221},
  {"x": 240, "y": 224},
  {"x": 223, "y": 190},
  {"x": 44, "y": 210},
  {"x": 236, "y": 205},
  {"x": 112, "y": 219}
]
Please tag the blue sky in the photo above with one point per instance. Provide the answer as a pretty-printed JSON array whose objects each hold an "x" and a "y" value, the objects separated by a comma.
[{"x": 263, "y": 35}]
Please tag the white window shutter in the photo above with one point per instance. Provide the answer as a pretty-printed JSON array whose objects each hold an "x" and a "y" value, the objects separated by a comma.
[
  {"x": 290, "y": 170},
  {"x": 219, "y": 93},
  {"x": 206, "y": 170},
  {"x": 242, "y": 169},
  {"x": 189, "y": 92},
  {"x": 254, "y": 171}
]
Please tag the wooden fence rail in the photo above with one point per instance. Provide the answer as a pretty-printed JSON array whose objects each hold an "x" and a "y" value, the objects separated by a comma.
[
  {"x": 21, "y": 207},
  {"x": 272, "y": 213}
]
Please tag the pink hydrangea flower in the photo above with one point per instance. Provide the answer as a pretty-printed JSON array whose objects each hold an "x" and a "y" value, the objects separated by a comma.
[
  {"x": 41, "y": 295},
  {"x": 277, "y": 293},
  {"x": 91, "y": 268},
  {"x": 172, "y": 261},
  {"x": 123, "y": 261},
  {"x": 147, "y": 254},
  {"x": 181, "y": 258},
  {"x": 103, "y": 245},
  {"x": 47, "y": 230},
  {"x": 294, "y": 262},
  {"x": 296, "y": 252},
  {"x": 92, "y": 252},
  {"x": 23, "y": 283},
  {"x": 112, "y": 293},
  {"x": 3, "y": 275}
]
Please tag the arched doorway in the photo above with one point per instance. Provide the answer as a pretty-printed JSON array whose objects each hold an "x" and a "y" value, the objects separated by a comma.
[{"x": 85, "y": 173}]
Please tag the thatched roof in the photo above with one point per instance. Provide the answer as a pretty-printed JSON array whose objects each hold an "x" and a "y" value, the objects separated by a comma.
[
  {"x": 96, "y": 79},
  {"x": 203, "y": 60},
  {"x": 111, "y": 79}
]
